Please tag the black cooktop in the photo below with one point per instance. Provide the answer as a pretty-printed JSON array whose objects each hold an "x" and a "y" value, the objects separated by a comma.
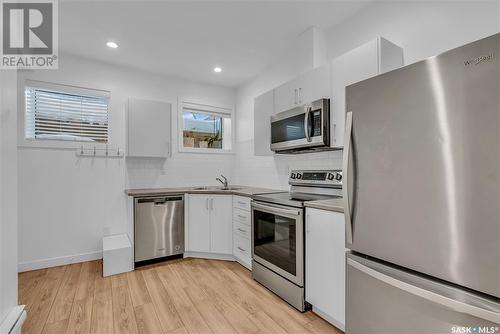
[{"x": 296, "y": 199}]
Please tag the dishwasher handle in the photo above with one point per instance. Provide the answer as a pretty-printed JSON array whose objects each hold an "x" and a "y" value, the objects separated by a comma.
[{"x": 159, "y": 200}]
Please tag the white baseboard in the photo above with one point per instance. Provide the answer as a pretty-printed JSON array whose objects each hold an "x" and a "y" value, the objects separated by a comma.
[
  {"x": 210, "y": 256},
  {"x": 330, "y": 319},
  {"x": 58, "y": 261},
  {"x": 244, "y": 264}
]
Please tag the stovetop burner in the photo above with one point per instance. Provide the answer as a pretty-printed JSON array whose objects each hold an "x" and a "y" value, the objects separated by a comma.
[{"x": 294, "y": 199}]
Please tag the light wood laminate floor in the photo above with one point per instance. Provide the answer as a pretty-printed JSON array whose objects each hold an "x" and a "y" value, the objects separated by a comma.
[{"x": 182, "y": 296}]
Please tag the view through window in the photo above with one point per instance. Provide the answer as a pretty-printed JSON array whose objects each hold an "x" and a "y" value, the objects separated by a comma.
[{"x": 206, "y": 129}]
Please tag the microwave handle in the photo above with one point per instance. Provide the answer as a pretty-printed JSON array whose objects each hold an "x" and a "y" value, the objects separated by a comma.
[{"x": 306, "y": 122}]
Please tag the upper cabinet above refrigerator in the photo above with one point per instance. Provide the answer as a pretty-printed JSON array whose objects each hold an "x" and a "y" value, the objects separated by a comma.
[
  {"x": 368, "y": 60},
  {"x": 148, "y": 129}
]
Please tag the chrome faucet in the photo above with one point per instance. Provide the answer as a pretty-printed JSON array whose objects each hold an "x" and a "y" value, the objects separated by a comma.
[{"x": 225, "y": 183}]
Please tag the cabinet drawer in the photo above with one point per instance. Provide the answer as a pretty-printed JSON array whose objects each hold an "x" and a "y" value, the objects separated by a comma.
[
  {"x": 241, "y": 216},
  {"x": 242, "y": 248},
  {"x": 242, "y": 229},
  {"x": 240, "y": 202}
]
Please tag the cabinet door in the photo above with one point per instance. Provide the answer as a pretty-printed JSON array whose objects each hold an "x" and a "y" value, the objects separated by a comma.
[
  {"x": 221, "y": 223},
  {"x": 325, "y": 263},
  {"x": 148, "y": 129},
  {"x": 366, "y": 61},
  {"x": 286, "y": 96},
  {"x": 263, "y": 109},
  {"x": 198, "y": 223},
  {"x": 314, "y": 84},
  {"x": 353, "y": 66}
]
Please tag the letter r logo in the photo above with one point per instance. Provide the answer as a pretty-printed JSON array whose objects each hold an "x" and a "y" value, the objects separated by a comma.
[{"x": 27, "y": 28}]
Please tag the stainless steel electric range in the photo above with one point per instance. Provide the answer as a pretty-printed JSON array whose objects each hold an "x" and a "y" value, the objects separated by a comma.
[{"x": 278, "y": 232}]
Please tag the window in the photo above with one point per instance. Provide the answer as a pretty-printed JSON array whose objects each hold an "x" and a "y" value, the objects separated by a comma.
[
  {"x": 205, "y": 128},
  {"x": 55, "y": 112}
]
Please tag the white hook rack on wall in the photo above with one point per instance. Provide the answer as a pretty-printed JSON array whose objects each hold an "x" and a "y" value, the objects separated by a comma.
[{"x": 99, "y": 152}]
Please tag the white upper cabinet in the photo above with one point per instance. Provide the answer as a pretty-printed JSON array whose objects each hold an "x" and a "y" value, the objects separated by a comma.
[
  {"x": 315, "y": 84},
  {"x": 327, "y": 81},
  {"x": 286, "y": 96},
  {"x": 307, "y": 87},
  {"x": 368, "y": 60},
  {"x": 263, "y": 109},
  {"x": 148, "y": 128}
]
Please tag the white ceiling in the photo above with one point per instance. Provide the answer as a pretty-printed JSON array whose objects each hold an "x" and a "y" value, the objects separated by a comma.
[{"x": 187, "y": 38}]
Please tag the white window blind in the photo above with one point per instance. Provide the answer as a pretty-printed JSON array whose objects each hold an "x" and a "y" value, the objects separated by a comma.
[{"x": 69, "y": 116}]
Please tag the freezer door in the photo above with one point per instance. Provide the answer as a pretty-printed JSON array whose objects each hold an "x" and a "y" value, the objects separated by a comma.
[
  {"x": 382, "y": 299},
  {"x": 422, "y": 166}
]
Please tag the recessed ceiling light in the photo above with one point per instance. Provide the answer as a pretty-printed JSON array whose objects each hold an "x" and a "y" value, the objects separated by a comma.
[
  {"x": 112, "y": 45},
  {"x": 217, "y": 69}
]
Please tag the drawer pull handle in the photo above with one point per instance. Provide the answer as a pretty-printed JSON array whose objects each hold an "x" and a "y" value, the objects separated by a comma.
[
  {"x": 241, "y": 249},
  {"x": 241, "y": 203},
  {"x": 242, "y": 217},
  {"x": 242, "y": 230}
]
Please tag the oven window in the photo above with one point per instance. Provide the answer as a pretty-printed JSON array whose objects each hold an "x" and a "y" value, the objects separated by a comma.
[
  {"x": 291, "y": 128},
  {"x": 275, "y": 240}
]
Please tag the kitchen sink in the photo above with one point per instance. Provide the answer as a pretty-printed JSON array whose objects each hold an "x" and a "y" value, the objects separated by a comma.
[{"x": 216, "y": 188}]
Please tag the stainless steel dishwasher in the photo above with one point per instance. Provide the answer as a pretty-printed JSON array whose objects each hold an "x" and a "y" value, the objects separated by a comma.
[{"x": 158, "y": 227}]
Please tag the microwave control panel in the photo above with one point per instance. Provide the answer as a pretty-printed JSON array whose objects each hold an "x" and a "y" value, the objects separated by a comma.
[{"x": 316, "y": 123}]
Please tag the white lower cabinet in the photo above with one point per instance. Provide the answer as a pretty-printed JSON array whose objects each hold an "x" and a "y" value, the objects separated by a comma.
[
  {"x": 241, "y": 250},
  {"x": 325, "y": 264},
  {"x": 209, "y": 225},
  {"x": 198, "y": 225},
  {"x": 221, "y": 224},
  {"x": 242, "y": 231}
]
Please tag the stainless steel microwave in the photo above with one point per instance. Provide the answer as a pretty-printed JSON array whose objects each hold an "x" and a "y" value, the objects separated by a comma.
[{"x": 302, "y": 128}]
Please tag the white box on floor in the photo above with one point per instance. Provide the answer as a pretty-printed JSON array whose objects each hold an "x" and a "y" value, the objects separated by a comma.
[{"x": 116, "y": 254}]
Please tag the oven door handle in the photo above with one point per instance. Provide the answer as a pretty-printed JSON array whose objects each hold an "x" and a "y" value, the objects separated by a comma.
[{"x": 276, "y": 209}]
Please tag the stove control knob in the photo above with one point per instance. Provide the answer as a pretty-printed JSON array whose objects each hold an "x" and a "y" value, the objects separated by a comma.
[
  {"x": 299, "y": 176},
  {"x": 293, "y": 176},
  {"x": 330, "y": 176},
  {"x": 338, "y": 177}
]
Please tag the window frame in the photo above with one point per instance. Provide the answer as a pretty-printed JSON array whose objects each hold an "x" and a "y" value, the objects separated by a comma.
[
  {"x": 208, "y": 109},
  {"x": 58, "y": 143}
]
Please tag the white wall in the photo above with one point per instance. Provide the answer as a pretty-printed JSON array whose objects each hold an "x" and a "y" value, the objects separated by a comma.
[
  {"x": 8, "y": 193},
  {"x": 66, "y": 202},
  {"x": 422, "y": 28}
]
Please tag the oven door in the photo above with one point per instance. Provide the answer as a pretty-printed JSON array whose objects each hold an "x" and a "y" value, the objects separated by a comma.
[
  {"x": 278, "y": 239},
  {"x": 302, "y": 127}
]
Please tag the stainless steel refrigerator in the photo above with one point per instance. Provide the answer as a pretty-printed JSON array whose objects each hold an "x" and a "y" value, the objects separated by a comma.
[{"x": 422, "y": 193}]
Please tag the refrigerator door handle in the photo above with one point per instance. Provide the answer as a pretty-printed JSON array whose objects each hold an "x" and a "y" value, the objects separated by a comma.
[
  {"x": 345, "y": 172},
  {"x": 447, "y": 302}
]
